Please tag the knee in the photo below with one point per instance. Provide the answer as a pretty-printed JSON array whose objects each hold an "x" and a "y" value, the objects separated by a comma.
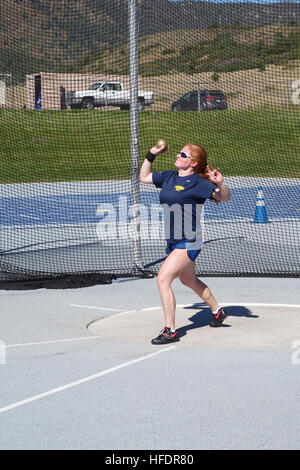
[{"x": 163, "y": 280}]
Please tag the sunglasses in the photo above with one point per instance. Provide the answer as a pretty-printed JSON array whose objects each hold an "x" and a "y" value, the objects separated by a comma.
[{"x": 185, "y": 155}]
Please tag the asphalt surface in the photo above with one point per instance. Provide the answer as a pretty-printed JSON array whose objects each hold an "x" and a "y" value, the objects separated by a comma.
[{"x": 64, "y": 387}]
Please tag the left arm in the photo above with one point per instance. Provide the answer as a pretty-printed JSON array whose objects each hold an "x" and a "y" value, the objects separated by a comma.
[{"x": 221, "y": 193}]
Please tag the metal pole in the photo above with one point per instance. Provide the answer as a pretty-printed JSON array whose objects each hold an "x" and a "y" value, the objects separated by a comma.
[
  {"x": 288, "y": 97},
  {"x": 154, "y": 96},
  {"x": 243, "y": 96},
  {"x": 135, "y": 225},
  {"x": 199, "y": 102},
  {"x": 5, "y": 93},
  {"x": 106, "y": 107}
]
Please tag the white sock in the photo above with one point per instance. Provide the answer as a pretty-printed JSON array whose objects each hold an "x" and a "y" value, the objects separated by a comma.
[{"x": 216, "y": 311}]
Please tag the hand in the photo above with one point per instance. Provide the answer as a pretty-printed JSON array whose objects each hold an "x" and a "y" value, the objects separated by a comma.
[
  {"x": 156, "y": 150},
  {"x": 215, "y": 176}
]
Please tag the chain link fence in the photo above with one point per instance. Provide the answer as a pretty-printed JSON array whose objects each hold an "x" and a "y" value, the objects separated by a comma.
[{"x": 86, "y": 88}]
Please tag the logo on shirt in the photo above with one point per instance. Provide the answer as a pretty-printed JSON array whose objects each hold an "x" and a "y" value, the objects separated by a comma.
[{"x": 179, "y": 188}]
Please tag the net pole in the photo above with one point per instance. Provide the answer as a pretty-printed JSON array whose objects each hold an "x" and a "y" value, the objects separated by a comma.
[{"x": 135, "y": 225}]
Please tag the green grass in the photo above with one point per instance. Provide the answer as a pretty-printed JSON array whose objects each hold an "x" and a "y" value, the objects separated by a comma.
[{"x": 82, "y": 145}]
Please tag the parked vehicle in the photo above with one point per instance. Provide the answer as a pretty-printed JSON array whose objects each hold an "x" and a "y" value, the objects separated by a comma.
[
  {"x": 107, "y": 94},
  {"x": 201, "y": 100}
]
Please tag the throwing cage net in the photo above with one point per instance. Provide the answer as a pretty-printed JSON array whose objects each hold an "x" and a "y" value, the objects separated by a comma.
[{"x": 88, "y": 87}]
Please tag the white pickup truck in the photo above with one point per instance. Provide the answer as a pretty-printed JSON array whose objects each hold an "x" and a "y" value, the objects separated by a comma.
[{"x": 107, "y": 94}]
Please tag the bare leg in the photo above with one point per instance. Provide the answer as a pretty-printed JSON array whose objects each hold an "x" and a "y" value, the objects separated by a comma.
[
  {"x": 189, "y": 279},
  {"x": 176, "y": 262}
]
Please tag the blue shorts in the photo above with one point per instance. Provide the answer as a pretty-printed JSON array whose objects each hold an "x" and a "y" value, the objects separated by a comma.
[{"x": 192, "y": 254}]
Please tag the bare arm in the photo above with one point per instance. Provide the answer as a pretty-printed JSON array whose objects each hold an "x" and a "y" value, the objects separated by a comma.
[
  {"x": 222, "y": 192},
  {"x": 146, "y": 172},
  {"x": 146, "y": 168}
]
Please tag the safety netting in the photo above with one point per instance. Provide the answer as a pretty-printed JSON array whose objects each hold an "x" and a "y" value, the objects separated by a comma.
[{"x": 87, "y": 87}]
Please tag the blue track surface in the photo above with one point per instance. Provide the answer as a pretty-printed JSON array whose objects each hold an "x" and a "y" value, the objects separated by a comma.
[{"x": 280, "y": 201}]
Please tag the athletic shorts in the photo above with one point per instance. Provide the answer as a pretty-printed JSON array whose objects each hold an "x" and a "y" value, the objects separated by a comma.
[{"x": 192, "y": 254}]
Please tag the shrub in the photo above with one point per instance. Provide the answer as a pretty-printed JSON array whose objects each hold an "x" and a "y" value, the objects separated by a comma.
[{"x": 215, "y": 77}]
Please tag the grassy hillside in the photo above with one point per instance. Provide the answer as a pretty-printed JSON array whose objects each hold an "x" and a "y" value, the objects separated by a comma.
[
  {"x": 83, "y": 145},
  {"x": 66, "y": 35},
  {"x": 213, "y": 50}
]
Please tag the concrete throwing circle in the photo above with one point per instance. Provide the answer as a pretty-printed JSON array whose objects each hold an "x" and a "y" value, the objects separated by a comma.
[{"x": 247, "y": 326}]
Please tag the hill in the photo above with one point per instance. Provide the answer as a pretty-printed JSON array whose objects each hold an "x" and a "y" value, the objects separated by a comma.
[
  {"x": 216, "y": 49},
  {"x": 68, "y": 35}
]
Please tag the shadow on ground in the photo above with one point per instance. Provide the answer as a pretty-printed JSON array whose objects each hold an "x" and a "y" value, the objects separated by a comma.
[{"x": 203, "y": 317}]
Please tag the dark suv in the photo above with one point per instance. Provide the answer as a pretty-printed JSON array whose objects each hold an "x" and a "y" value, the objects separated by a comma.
[{"x": 201, "y": 100}]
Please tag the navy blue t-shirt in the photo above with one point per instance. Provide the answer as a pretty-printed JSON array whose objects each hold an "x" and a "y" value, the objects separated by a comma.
[{"x": 182, "y": 198}]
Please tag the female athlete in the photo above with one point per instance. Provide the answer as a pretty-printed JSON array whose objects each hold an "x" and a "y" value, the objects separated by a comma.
[{"x": 183, "y": 193}]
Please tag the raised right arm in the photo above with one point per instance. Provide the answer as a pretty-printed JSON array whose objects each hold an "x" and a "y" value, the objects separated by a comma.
[
  {"x": 146, "y": 172},
  {"x": 146, "y": 169}
]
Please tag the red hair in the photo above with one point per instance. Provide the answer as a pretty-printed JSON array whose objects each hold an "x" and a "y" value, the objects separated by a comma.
[{"x": 199, "y": 154}]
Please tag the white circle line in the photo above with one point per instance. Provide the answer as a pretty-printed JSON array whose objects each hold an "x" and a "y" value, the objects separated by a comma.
[
  {"x": 258, "y": 304},
  {"x": 225, "y": 304},
  {"x": 96, "y": 308}
]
